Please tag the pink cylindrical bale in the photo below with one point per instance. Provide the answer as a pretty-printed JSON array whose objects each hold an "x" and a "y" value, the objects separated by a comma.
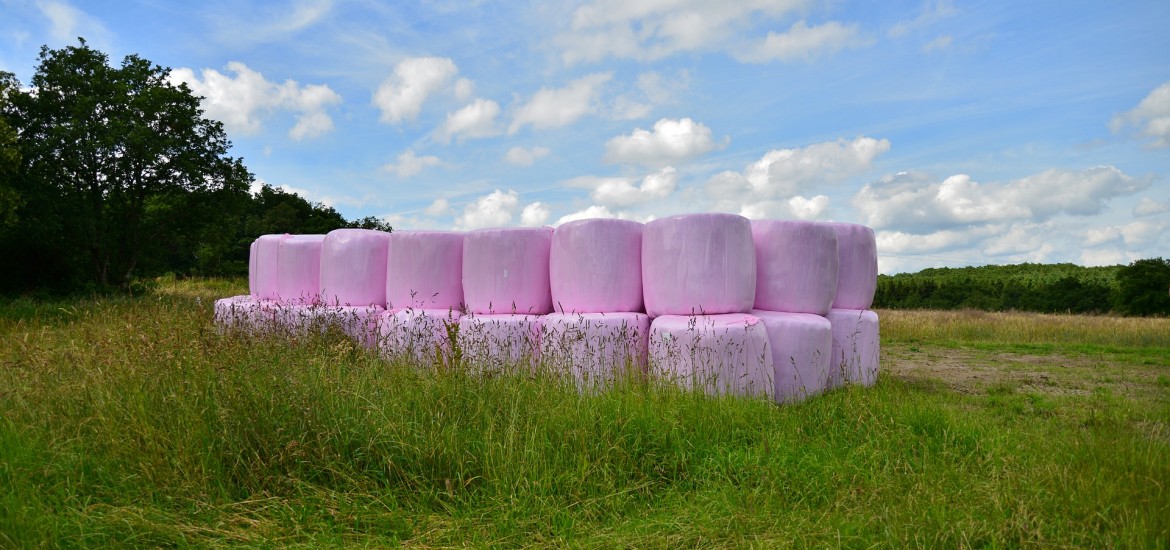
[
  {"x": 357, "y": 322},
  {"x": 419, "y": 335},
  {"x": 424, "y": 269},
  {"x": 698, "y": 264},
  {"x": 718, "y": 354},
  {"x": 499, "y": 343},
  {"x": 299, "y": 272},
  {"x": 595, "y": 266},
  {"x": 801, "y": 345},
  {"x": 796, "y": 266},
  {"x": 232, "y": 312},
  {"x": 298, "y": 320},
  {"x": 857, "y": 276},
  {"x": 856, "y": 347},
  {"x": 595, "y": 349},
  {"x": 267, "y": 267},
  {"x": 252, "y": 290},
  {"x": 505, "y": 270},
  {"x": 353, "y": 267}
]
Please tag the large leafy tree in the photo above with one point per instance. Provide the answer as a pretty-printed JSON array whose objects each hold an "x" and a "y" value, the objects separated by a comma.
[
  {"x": 1143, "y": 288},
  {"x": 116, "y": 159}
]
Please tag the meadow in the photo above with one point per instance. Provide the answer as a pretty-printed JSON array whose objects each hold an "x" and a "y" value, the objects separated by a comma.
[{"x": 133, "y": 421}]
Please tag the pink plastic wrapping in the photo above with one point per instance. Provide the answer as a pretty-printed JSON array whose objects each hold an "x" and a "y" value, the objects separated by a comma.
[
  {"x": 299, "y": 274},
  {"x": 856, "y": 348},
  {"x": 252, "y": 290},
  {"x": 232, "y": 312},
  {"x": 716, "y": 353},
  {"x": 419, "y": 335},
  {"x": 357, "y": 322},
  {"x": 353, "y": 267},
  {"x": 857, "y": 277},
  {"x": 698, "y": 264},
  {"x": 796, "y": 266},
  {"x": 425, "y": 270},
  {"x": 801, "y": 345},
  {"x": 595, "y": 349},
  {"x": 595, "y": 265},
  {"x": 499, "y": 343},
  {"x": 298, "y": 320},
  {"x": 506, "y": 270},
  {"x": 267, "y": 267}
]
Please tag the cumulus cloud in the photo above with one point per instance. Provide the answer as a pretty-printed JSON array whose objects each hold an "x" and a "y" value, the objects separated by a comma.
[
  {"x": 535, "y": 214},
  {"x": 652, "y": 90},
  {"x": 409, "y": 164},
  {"x": 669, "y": 141},
  {"x": 519, "y": 156},
  {"x": 914, "y": 203},
  {"x": 802, "y": 42},
  {"x": 628, "y": 191},
  {"x": 492, "y": 210},
  {"x": 476, "y": 120},
  {"x": 594, "y": 211},
  {"x": 1150, "y": 207},
  {"x": 1151, "y": 117},
  {"x": 438, "y": 207},
  {"x": 557, "y": 107},
  {"x": 241, "y": 97},
  {"x": 67, "y": 22},
  {"x": 401, "y": 96}
]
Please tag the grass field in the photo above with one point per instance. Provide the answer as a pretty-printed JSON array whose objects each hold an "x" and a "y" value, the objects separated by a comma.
[{"x": 131, "y": 421}]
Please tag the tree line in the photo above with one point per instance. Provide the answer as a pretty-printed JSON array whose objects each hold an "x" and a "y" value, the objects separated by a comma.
[
  {"x": 113, "y": 173},
  {"x": 1140, "y": 288}
]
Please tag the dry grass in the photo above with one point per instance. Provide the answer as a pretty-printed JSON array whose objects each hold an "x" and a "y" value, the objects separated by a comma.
[{"x": 974, "y": 326}]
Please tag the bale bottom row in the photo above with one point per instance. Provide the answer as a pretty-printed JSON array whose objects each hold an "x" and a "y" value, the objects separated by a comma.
[{"x": 784, "y": 356}]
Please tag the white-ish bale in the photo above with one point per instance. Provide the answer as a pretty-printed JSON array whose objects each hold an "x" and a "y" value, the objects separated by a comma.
[
  {"x": 856, "y": 347},
  {"x": 594, "y": 349},
  {"x": 718, "y": 354}
]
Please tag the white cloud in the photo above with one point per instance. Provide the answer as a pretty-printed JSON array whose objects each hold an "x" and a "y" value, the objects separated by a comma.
[
  {"x": 1150, "y": 207},
  {"x": 802, "y": 42},
  {"x": 932, "y": 12},
  {"x": 438, "y": 207},
  {"x": 594, "y": 211},
  {"x": 66, "y": 22},
  {"x": 464, "y": 89},
  {"x": 476, "y": 120},
  {"x": 911, "y": 202},
  {"x": 242, "y": 100},
  {"x": 625, "y": 191},
  {"x": 409, "y": 164},
  {"x": 1104, "y": 257},
  {"x": 653, "y": 90},
  {"x": 556, "y": 107},
  {"x": 401, "y": 96},
  {"x": 535, "y": 214},
  {"x": 670, "y": 141},
  {"x": 1151, "y": 116},
  {"x": 520, "y": 156},
  {"x": 491, "y": 210}
]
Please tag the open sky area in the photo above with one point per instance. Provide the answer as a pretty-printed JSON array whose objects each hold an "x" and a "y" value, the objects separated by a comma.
[{"x": 964, "y": 133}]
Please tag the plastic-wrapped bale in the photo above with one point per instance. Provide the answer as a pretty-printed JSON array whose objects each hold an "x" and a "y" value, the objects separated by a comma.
[
  {"x": 857, "y": 276},
  {"x": 298, "y": 320},
  {"x": 252, "y": 254},
  {"x": 796, "y": 266},
  {"x": 595, "y": 349},
  {"x": 353, "y": 267},
  {"x": 358, "y": 322},
  {"x": 233, "y": 312},
  {"x": 595, "y": 266},
  {"x": 505, "y": 270},
  {"x": 698, "y": 264},
  {"x": 424, "y": 269},
  {"x": 801, "y": 345},
  {"x": 718, "y": 354},
  {"x": 499, "y": 343},
  {"x": 420, "y": 335},
  {"x": 267, "y": 267},
  {"x": 856, "y": 349},
  {"x": 299, "y": 269}
]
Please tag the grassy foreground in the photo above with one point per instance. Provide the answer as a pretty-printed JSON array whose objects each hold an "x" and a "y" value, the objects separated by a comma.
[{"x": 131, "y": 421}]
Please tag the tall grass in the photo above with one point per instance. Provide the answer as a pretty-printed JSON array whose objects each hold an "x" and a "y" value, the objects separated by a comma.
[
  {"x": 133, "y": 421},
  {"x": 974, "y": 326}
]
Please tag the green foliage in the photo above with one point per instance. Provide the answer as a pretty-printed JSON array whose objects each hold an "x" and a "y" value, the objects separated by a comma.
[{"x": 1143, "y": 288}]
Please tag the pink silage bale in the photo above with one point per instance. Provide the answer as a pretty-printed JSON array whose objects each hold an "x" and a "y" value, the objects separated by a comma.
[
  {"x": 796, "y": 266},
  {"x": 499, "y": 343},
  {"x": 230, "y": 312},
  {"x": 424, "y": 269},
  {"x": 595, "y": 349},
  {"x": 801, "y": 345},
  {"x": 252, "y": 290},
  {"x": 420, "y": 335},
  {"x": 267, "y": 267},
  {"x": 698, "y": 264},
  {"x": 299, "y": 273},
  {"x": 856, "y": 347},
  {"x": 718, "y": 354},
  {"x": 505, "y": 270},
  {"x": 353, "y": 267},
  {"x": 857, "y": 276},
  {"x": 595, "y": 265},
  {"x": 360, "y": 323}
]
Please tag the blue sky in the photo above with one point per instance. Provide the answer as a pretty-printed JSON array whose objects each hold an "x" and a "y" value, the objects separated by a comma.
[{"x": 964, "y": 133}]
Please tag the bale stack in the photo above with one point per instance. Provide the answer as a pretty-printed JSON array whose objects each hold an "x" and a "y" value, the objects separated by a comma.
[
  {"x": 353, "y": 282},
  {"x": 424, "y": 294},
  {"x": 855, "y": 357},
  {"x": 298, "y": 282}
]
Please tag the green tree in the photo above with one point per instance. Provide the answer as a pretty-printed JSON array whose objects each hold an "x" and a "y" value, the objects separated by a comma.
[
  {"x": 1143, "y": 288},
  {"x": 114, "y": 155},
  {"x": 9, "y": 154}
]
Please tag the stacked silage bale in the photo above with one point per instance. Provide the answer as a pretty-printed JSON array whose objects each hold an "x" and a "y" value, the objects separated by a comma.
[
  {"x": 699, "y": 282},
  {"x": 597, "y": 332},
  {"x": 258, "y": 309},
  {"x": 855, "y": 357},
  {"x": 505, "y": 290},
  {"x": 298, "y": 282},
  {"x": 424, "y": 295},
  {"x": 353, "y": 282}
]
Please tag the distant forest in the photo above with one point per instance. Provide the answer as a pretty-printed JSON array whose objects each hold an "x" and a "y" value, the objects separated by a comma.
[{"x": 1141, "y": 288}]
